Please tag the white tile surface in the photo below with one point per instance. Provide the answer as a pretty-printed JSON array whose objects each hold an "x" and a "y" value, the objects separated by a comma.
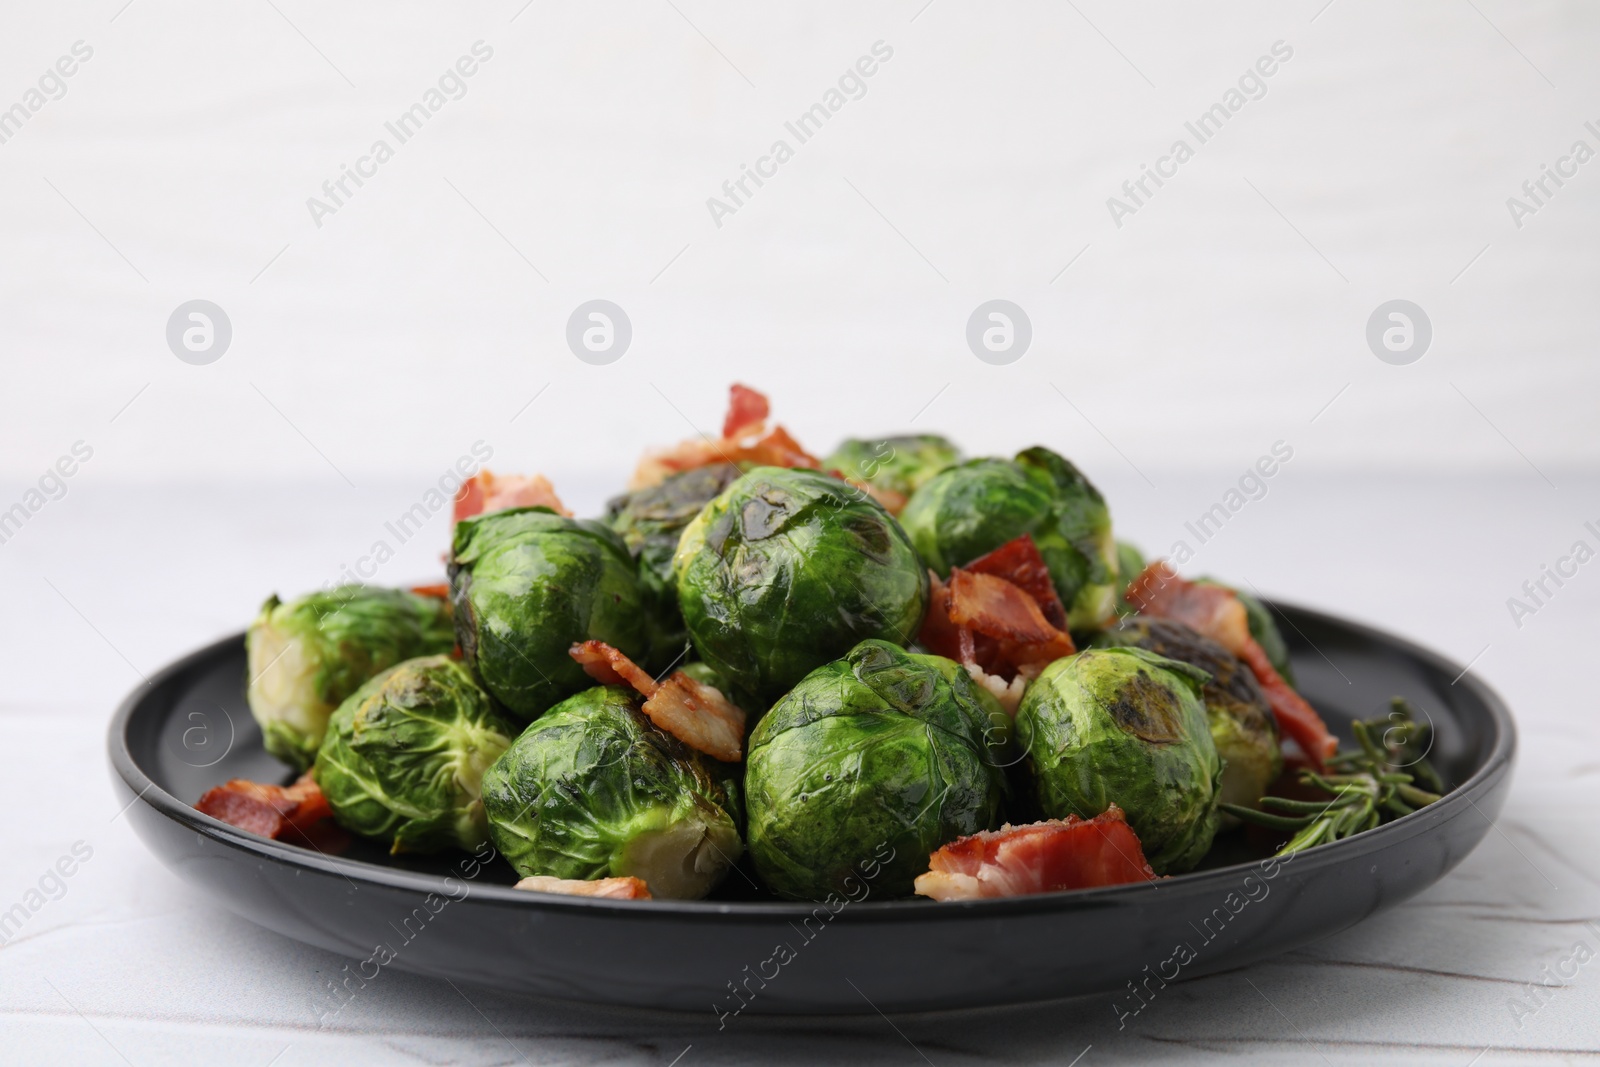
[
  {"x": 131, "y": 963},
  {"x": 1224, "y": 316}
]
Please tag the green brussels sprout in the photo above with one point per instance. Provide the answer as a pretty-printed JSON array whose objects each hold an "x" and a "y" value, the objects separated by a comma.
[
  {"x": 527, "y": 584},
  {"x": 1130, "y": 564},
  {"x": 1127, "y": 727},
  {"x": 897, "y": 464},
  {"x": 972, "y": 509},
  {"x": 404, "y": 757},
  {"x": 1242, "y": 726},
  {"x": 789, "y": 569},
  {"x": 867, "y": 766},
  {"x": 649, "y": 522},
  {"x": 593, "y": 790},
  {"x": 306, "y": 656}
]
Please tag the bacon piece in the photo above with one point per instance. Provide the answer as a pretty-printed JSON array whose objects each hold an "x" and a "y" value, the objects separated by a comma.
[
  {"x": 1018, "y": 561},
  {"x": 298, "y": 812},
  {"x": 996, "y": 608},
  {"x": 938, "y": 634},
  {"x": 1211, "y": 609},
  {"x": 698, "y": 715},
  {"x": 1297, "y": 719},
  {"x": 610, "y": 666},
  {"x": 1216, "y": 613},
  {"x": 1043, "y": 857},
  {"x": 994, "y": 629},
  {"x": 485, "y": 492},
  {"x": 629, "y": 888},
  {"x": 745, "y": 440},
  {"x": 746, "y": 408},
  {"x": 695, "y": 713}
]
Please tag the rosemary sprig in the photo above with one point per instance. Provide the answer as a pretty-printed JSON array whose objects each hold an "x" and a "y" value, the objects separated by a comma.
[{"x": 1374, "y": 782}]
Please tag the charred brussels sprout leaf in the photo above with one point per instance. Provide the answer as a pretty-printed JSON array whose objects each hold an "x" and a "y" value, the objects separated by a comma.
[
  {"x": 970, "y": 510},
  {"x": 593, "y": 790},
  {"x": 897, "y": 464},
  {"x": 867, "y": 766},
  {"x": 305, "y": 657},
  {"x": 527, "y": 584},
  {"x": 1242, "y": 726},
  {"x": 404, "y": 757},
  {"x": 649, "y": 522},
  {"x": 789, "y": 569},
  {"x": 1127, "y": 727}
]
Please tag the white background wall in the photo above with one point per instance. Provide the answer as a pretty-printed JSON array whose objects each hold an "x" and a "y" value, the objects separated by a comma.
[{"x": 405, "y": 327}]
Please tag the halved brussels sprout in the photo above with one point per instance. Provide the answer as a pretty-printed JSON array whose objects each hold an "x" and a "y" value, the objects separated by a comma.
[
  {"x": 866, "y": 767},
  {"x": 593, "y": 790},
  {"x": 1242, "y": 726},
  {"x": 1127, "y": 727},
  {"x": 306, "y": 656},
  {"x": 404, "y": 757},
  {"x": 527, "y": 585},
  {"x": 789, "y": 569},
  {"x": 973, "y": 508},
  {"x": 650, "y": 521},
  {"x": 897, "y": 464}
]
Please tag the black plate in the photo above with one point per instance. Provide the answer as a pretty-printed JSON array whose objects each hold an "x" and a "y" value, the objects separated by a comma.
[{"x": 190, "y": 729}]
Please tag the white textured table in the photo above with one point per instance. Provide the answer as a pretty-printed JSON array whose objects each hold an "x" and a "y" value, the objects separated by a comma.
[{"x": 131, "y": 965}]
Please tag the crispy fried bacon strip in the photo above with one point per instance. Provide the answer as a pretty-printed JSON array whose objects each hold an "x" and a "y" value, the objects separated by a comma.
[
  {"x": 1000, "y": 610},
  {"x": 1043, "y": 857},
  {"x": 1215, "y": 612},
  {"x": 485, "y": 492},
  {"x": 745, "y": 439},
  {"x": 1211, "y": 609},
  {"x": 695, "y": 713},
  {"x": 700, "y": 716},
  {"x": 746, "y": 408},
  {"x": 611, "y": 666},
  {"x": 1018, "y": 561},
  {"x": 629, "y": 888},
  {"x": 998, "y": 617},
  {"x": 298, "y": 813}
]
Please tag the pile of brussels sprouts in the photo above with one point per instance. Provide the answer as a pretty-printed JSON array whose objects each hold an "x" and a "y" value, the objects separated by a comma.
[{"x": 434, "y": 721}]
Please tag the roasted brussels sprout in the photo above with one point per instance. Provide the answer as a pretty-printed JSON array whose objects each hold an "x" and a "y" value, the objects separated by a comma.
[
  {"x": 1125, "y": 726},
  {"x": 972, "y": 509},
  {"x": 305, "y": 656},
  {"x": 867, "y": 766},
  {"x": 1242, "y": 726},
  {"x": 787, "y": 570},
  {"x": 527, "y": 585},
  {"x": 404, "y": 757},
  {"x": 650, "y": 521},
  {"x": 896, "y": 464},
  {"x": 593, "y": 790}
]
